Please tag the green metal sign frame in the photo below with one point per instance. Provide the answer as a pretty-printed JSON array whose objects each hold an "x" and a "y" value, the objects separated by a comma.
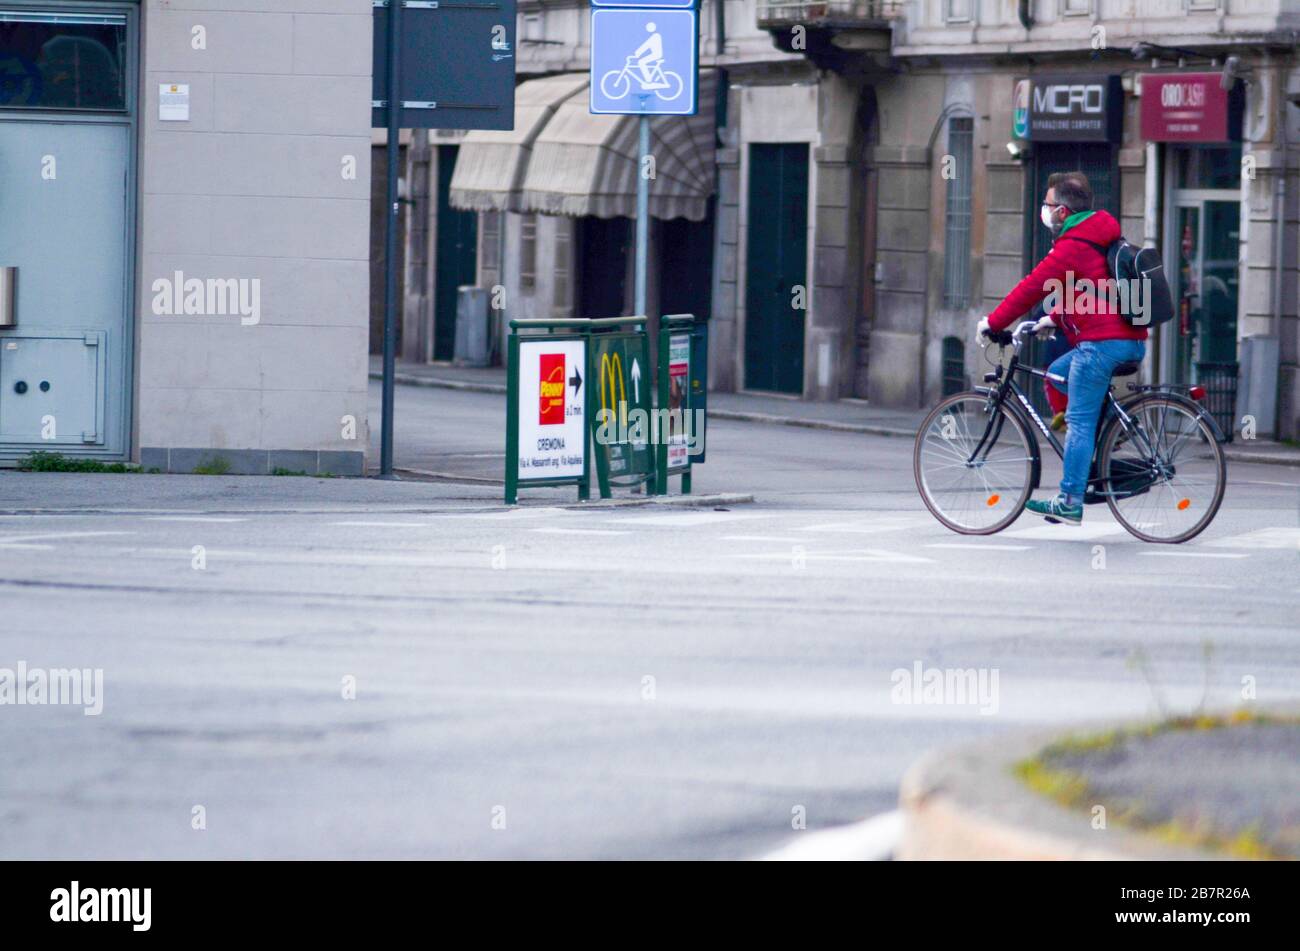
[
  {"x": 546, "y": 332},
  {"x": 620, "y": 364},
  {"x": 672, "y": 328}
]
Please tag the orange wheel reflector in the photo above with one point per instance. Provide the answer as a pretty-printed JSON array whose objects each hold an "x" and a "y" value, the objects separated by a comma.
[
  {"x": 994, "y": 500},
  {"x": 1182, "y": 506}
]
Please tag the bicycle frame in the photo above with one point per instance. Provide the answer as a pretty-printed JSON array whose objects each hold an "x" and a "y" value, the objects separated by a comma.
[{"x": 1007, "y": 386}]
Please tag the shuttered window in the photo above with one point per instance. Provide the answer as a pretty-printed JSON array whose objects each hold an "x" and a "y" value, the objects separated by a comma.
[
  {"x": 528, "y": 251},
  {"x": 957, "y": 218}
]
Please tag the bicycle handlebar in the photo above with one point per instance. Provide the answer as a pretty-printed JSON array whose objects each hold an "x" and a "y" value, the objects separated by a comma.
[{"x": 1016, "y": 337}]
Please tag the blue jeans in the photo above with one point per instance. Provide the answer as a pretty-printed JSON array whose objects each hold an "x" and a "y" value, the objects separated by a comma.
[{"x": 1087, "y": 368}]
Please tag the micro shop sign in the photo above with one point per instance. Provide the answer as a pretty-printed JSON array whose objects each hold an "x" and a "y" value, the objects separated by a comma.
[
  {"x": 1069, "y": 108},
  {"x": 1190, "y": 107}
]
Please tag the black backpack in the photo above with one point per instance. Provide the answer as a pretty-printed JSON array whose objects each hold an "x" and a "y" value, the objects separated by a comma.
[{"x": 1139, "y": 268}]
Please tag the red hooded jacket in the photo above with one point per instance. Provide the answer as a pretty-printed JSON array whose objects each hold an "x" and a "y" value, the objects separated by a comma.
[{"x": 1073, "y": 259}]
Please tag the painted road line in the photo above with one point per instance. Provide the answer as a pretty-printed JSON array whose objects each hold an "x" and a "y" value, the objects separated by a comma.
[
  {"x": 874, "y": 840},
  {"x": 383, "y": 524},
  {"x": 1194, "y": 554},
  {"x": 192, "y": 518},
  {"x": 763, "y": 538},
  {"x": 870, "y": 526},
  {"x": 50, "y": 536},
  {"x": 855, "y": 555},
  {"x": 980, "y": 547},
  {"x": 1262, "y": 538},
  {"x": 1066, "y": 532},
  {"x": 686, "y": 519},
  {"x": 551, "y": 530}
]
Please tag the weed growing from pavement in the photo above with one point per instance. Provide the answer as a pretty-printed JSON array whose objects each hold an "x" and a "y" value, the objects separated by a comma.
[
  {"x": 1045, "y": 775},
  {"x": 41, "y": 461},
  {"x": 216, "y": 465},
  {"x": 278, "y": 471}
]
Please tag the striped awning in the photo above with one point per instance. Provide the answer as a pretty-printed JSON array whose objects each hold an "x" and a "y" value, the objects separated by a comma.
[
  {"x": 490, "y": 166},
  {"x": 584, "y": 164}
]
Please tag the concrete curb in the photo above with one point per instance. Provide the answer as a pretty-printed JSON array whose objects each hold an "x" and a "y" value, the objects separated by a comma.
[
  {"x": 469, "y": 386},
  {"x": 806, "y": 423},
  {"x": 966, "y": 804},
  {"x": 1264, "y": 458}
]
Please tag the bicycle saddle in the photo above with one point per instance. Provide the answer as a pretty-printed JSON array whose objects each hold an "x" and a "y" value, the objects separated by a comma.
[{"x": 1127, "y": 368}]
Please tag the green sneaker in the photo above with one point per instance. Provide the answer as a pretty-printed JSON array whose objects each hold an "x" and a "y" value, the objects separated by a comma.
[{"x": 1057, "y": 511}]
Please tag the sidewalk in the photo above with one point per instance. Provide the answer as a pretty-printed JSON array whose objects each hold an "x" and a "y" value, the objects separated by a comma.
[{"x": 853, "y": 416}]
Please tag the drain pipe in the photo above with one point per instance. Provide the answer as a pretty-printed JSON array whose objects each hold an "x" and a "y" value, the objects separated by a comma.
[
  {"x": 1279, "y": 226},
  {"x": 1026, "y": 14}
]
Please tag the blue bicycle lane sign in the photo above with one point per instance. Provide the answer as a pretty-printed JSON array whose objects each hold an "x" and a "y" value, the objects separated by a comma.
[{"x": 643, "y": 61}]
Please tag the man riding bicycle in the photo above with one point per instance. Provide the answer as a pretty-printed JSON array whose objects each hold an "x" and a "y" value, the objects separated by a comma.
[{"x": 1103, "y": 339}]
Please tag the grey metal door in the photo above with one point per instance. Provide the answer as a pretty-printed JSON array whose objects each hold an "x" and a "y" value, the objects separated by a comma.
[{"x": 66, "y": 235}]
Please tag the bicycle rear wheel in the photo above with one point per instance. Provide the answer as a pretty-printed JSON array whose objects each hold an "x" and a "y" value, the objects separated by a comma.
[
  {"x": 1168, "y": 488},
  {"x": 977, "y": 497}
]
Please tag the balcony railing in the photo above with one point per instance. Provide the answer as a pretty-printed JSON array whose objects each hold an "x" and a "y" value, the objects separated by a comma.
[{"x": 849, "y": 14}]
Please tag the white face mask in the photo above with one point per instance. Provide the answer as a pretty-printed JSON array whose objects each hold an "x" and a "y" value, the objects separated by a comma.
[{"x": 1045, "y": 213}]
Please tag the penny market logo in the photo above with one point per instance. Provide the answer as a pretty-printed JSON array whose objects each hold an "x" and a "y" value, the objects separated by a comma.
[{"x": 551, "y": 389}]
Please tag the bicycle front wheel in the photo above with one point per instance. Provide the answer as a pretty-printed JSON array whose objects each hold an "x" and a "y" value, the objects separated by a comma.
[
  {"x": 1164, "y": 482},
  {"x": 973, "y": 493}
]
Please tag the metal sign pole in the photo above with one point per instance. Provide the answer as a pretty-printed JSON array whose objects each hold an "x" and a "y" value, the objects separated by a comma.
[
  {"x": 642, "y": 214},
  {"x": 390, "y": 235}
]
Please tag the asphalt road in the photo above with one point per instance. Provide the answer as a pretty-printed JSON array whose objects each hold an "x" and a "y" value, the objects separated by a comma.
[{"x": 547, "y": 682}]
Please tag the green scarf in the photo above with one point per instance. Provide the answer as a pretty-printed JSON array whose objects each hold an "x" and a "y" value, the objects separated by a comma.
[{"x": 1074, "y": 219}]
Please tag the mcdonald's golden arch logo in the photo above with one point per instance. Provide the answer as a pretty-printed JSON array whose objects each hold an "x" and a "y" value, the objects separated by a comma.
[{"x": 613, "y": 388}]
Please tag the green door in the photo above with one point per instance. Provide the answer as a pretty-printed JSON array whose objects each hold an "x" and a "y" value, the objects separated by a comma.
[
  {"x": 775, "y": 266},
  {"x": 457, "y": 261}
]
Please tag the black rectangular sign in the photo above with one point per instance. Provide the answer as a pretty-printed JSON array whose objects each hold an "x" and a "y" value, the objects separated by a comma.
[
  {"x": 458, "y": 64},
  {"x": 1076, "y": 108}
]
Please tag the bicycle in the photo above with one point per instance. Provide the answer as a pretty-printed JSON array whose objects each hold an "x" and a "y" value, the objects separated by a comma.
[
  {"x": 621, "y": 79},
  {"x": 1158, "y": 463}
]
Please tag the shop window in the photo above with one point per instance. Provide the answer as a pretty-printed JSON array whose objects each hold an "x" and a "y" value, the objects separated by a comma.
[
  {"x": 561, "y": 301},
  {"x": 1203, "y": 6},
  {"x": 954, "y": 366},
  {"x": 1076, "y": 8},
  {"x": 528, "y": 252},
  {"x": 1208, "y": 166},
  {"x": 957, "y": 218},
  {"x": 62, "y": 61}
]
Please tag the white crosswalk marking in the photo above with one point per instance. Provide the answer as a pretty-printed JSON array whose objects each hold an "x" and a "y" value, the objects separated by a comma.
[
  {"x": 980, "y": 547},
  {"x": 685, "y": 519},
  {"x": 856, "y": 554},
  {"x": 1065, "y": 532},
  {"x": 192, "y": 518},
  {"x": 870, "y": 526},
  {"x": 551, "y": 530},
  {"x": 1261, "y": 538}
]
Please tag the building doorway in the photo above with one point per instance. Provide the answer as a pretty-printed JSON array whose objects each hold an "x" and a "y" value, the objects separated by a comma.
[
  {"x": 67, "y": 224},
  {"x": 776, "y": 266},
  {"x": 457, "y": 257},
  {"x": 1202, "y": 235},
  {"x": 603, "y": 246}
]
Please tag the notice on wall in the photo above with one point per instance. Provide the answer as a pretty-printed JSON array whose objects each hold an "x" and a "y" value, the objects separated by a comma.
[
  {"x": 174, "y": 102},
  {"x": 552, "y": 408}
]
